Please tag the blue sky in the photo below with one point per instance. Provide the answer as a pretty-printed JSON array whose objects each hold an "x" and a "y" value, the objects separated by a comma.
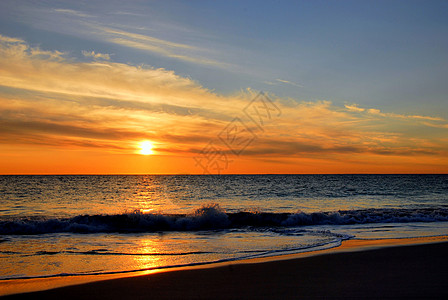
[{"x": 391, "y": 55}]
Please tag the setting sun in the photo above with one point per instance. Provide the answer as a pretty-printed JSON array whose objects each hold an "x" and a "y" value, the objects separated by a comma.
[{"x": 146, "y": 148}]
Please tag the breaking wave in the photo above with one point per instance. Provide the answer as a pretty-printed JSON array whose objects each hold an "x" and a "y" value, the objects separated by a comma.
[{"x": 212, "y": 217}]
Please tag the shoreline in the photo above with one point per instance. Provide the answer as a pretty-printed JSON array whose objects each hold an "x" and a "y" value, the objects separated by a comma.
[{"x": 86, "y": 286}]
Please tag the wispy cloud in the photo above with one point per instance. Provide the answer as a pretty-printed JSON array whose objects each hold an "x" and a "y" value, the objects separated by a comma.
[
  {"x": 282, "y": 81},
  {"x": 436, "y": 125},
  {"x": 354, "y": 107},
  {"x": 144, "y": 38},
  {"x": 289, "y": 82},
  {"x": 131, "y": 39},
  {"x": 95, "y": 55},
  {"x": 72, "y": 12},
  {"x": 133, "y": 29},
  {"x": 7, "y": 39},
  {"x": 163, "y": 47},
  {"x": 379, "y": 113}
]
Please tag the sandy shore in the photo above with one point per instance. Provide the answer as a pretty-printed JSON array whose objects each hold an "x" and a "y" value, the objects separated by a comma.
[{"x": 405, "y": 271}]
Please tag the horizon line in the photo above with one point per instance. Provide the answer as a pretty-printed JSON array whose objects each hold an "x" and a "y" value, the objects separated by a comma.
[{"x": 197, "y": 174}]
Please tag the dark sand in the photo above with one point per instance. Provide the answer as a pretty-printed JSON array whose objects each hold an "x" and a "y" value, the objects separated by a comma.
[{"x": 416, "y": 271}]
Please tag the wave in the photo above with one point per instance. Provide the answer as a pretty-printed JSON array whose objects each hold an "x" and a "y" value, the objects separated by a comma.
[
  {"x": 212, "y": 217},
  {"x": 107, "y": 252}
]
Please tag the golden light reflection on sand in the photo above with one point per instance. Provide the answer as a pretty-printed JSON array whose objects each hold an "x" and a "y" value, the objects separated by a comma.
[{"x": 150, "y": 246}]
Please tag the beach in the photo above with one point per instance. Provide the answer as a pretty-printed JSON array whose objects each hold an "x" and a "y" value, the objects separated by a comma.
[{"x": 408, "y": 268}]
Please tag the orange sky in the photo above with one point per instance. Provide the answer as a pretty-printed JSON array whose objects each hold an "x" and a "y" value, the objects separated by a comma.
[{"x": 62, "y": 116}]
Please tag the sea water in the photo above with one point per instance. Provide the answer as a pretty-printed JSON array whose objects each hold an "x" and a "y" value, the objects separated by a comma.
[{"x": 103, "y": 224}]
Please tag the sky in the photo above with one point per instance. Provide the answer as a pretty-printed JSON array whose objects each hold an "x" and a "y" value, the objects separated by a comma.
[{"x": 223, "y": 87}]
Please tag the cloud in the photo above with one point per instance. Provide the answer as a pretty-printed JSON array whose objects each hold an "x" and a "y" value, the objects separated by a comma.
[
  {"x": 28, "y": 68},
  {"x": 7, "y": 39},
  {"x": 277, "y": 81},
  {"x": 96, "y": 55},
  {"x": 354, "y": 107},
  {"x": 374, "y": 111},
  {"x": 184, "y": 44},
  {"x": 144, "y": 38},
  {"x": 436, "y": 125},
  {"x": 49, "y": 99},
  {"x": 152, "y": 44},
  {"x": 72, "y": 12},
  {"x": 34, "y": 52},
  {"x": 289, "y": 82}
]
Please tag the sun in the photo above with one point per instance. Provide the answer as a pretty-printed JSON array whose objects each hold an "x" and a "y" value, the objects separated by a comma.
[{"x": 146, "y": 148}]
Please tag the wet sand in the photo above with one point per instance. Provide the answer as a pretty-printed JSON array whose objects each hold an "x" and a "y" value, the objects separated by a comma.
[{"x": 372, "y": 271}]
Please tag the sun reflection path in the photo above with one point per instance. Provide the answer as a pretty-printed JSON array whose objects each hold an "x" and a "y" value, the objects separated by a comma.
[{"x": 146, "y": 260}]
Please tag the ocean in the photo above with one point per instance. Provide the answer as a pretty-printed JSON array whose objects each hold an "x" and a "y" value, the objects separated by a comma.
[{"x": 105, "y": 224}]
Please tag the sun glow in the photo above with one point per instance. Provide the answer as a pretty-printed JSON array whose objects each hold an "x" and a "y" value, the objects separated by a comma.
[{"x": 146, "y": 148}]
